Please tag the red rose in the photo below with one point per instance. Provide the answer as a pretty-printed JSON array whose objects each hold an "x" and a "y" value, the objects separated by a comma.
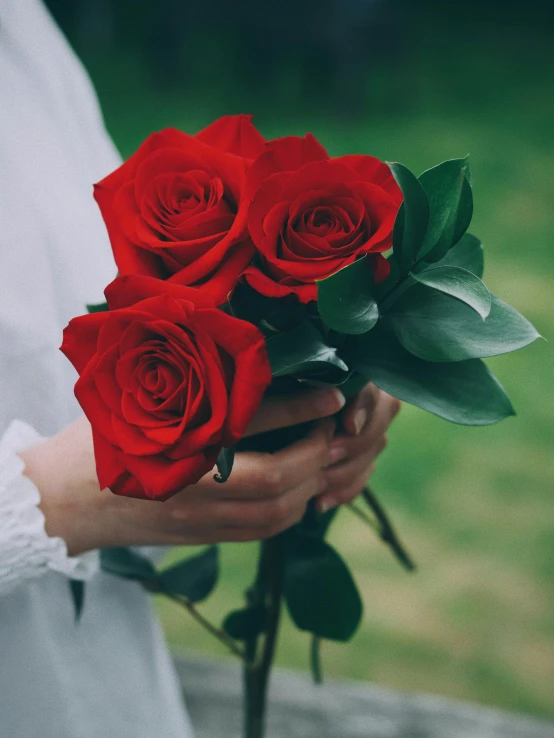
[
  {"x": 166, "y": 380},
  {"x": 311, "y": 215},
  {"x": 173, "y": 210}
]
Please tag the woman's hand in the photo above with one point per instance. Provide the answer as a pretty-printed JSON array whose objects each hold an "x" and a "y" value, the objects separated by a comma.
[
  {"x": 266, "y": 493},
  {"x": 360, "y": 440}
]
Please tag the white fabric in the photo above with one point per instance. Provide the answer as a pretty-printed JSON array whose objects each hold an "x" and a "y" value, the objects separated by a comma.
[
  {"x": 26, "y": 551},
  {"x": 110, "y": 674}
]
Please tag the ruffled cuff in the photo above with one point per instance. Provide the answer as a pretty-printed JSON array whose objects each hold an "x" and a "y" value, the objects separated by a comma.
[{"x": 26, "y": 550}]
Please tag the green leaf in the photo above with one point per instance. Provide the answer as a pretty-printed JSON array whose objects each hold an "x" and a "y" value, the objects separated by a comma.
[
  {"x": 412, "y": 220},
  {"x": 467, "y": 253},
  {"x": 315, "y": 659},
  {"x": 333, "y": 377},
  {"x": 354, "y": 384},
  {"x": 459, "y": 283},
  {"x": 437, "y": 327},
  {"x": 247, "y": 623},
  {"x": 345, "y": 300},
  {"x": 126, "y": 563},
  {"x": 193, "y": 578},
  {"x": 100, "y": 307},
  {"x": 224, "y": 464},
  {"x": 451, "y": 207},
  {"x": 301, "y": 351},
  {"x": 77, "y": 591},
  {"x": 320, "y": 592},
  {"x": 268, "y": 313},
  {"x": 464, "y": 392}
]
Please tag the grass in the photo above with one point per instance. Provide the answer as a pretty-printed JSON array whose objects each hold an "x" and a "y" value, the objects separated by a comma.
[{"x": 474, "y": 505}]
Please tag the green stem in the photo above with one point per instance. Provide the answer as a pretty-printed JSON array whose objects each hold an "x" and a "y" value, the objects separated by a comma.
[
  {"x": 387, "y": 533},
  {"x": 269, "y": 588},
  {"x": 395, "y": 293},
  {"x": 221, "y": 635},
  {"x": 366, "y": 519},
  {"x": 315, "y": 660}
]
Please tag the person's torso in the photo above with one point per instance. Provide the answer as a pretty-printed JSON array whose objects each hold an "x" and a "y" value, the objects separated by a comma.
[{"x": 110, "y": 674}]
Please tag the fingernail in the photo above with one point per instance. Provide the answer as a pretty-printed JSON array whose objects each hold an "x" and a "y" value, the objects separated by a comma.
[
  {"x": 327, "y": 504},
  {"x": 330, "y": 402},
  {"x": 337, "y": 453},
  {"x": 360, "y": 419}
]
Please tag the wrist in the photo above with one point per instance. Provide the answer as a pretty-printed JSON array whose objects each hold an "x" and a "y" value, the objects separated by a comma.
[{"x": 70, "y": 498}]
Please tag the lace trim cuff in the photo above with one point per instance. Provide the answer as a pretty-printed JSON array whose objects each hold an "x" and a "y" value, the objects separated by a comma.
[{"x": 26, "y": 550}]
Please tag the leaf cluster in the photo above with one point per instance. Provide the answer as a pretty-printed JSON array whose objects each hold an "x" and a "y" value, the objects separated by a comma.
[
  {"x": 192, "y": 579},
  {"x": 420, "y": 335}
]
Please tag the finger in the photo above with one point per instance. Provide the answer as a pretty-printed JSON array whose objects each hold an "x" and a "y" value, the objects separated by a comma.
[
  {"x": 369, "y": 402},
  {"x": 265, "y": 476},
  {"x": 266, "y": 513},
  {"x": 244, "y": 535},
  {"x": 342, "y": 474},
  {"x": 330, "y": 500},
  {"x": 347, "y": 446},
  {"x": 358, "y": 410},
  {"x": 266, "y": 527},
  {"x": 286, "y": 410}
]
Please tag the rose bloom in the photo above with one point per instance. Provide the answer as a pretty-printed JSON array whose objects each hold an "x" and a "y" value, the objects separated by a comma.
[
  {"x": 173, "y": 210},
  {"x": 166, "y": 380},
  {"x": 310, "y": 215}
]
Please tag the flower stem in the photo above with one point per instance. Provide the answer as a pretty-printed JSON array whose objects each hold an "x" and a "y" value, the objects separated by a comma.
[
  {"x": 221, "y": 635},
  {"x": 399, "y": 289},
  {"x": 387, "y": 533},
  {"x": 366, "y": 519},
  {"x": 268, "y": 588}
]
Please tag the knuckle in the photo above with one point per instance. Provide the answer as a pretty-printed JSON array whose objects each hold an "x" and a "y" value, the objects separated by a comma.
[
  {"x": 271, "y": 478},
  {"x": 179, "y": 514}
]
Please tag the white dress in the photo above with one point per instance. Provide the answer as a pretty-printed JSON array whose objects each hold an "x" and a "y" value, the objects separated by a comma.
[{"x": 110, "y": 675}]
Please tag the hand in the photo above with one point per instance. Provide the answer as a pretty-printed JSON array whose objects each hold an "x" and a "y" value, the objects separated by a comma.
[
  {"x": 363, "y": 436},
  {"x": 266, "y": 493}
]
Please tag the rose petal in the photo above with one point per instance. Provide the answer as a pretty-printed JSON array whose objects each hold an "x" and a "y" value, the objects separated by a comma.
[
  {"x": 161, "y": 477},
  {"x": 373, "y": 170},
  {"x": 80, "y": 339},
  {"x": 132, "y": 288},
  {"x": 235, "y": 134}
]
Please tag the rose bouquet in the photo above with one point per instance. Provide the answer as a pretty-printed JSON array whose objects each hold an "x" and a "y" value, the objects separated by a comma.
[{"x": 249, "y": 267}]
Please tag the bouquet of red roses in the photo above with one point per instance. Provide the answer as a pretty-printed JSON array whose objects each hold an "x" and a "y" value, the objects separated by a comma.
[{"x": 249, "y": 267}]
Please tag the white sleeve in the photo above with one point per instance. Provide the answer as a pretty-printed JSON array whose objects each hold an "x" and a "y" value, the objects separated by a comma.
[{"x": 26, "y": 551}]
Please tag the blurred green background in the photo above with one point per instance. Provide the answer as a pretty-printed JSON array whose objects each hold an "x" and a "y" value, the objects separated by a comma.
[{"x": 418, "y": 83}]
